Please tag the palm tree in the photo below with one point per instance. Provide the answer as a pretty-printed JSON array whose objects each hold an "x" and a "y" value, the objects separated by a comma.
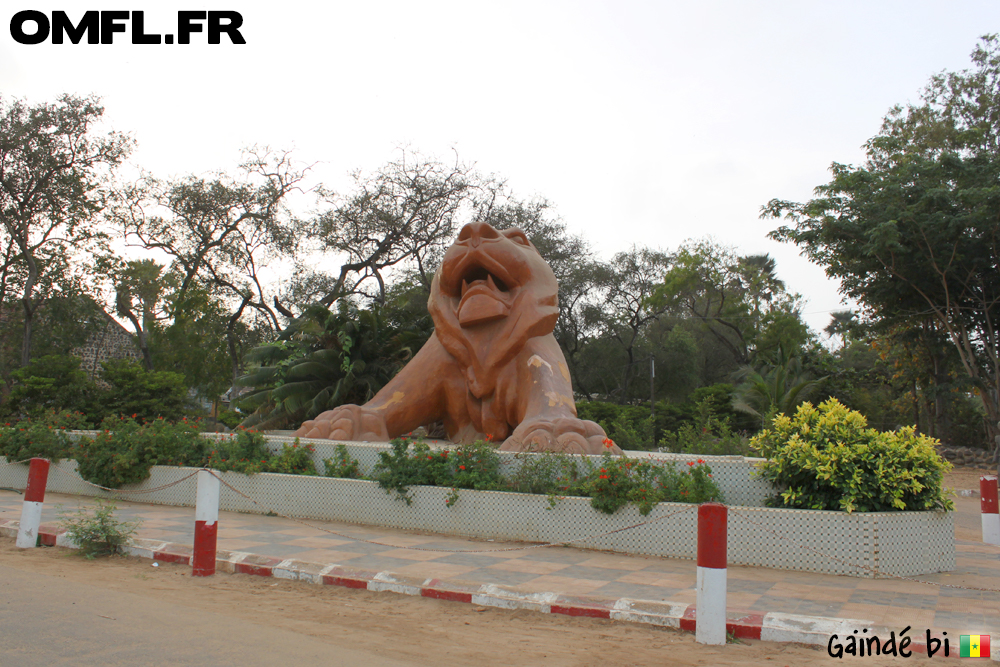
[
  {"x": 776, "y": 387},
  {"x": 321, "y": 360}
]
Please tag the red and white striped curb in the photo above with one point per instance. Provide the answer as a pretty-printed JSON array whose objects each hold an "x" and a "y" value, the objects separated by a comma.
[{"x": 771, "y": 626}]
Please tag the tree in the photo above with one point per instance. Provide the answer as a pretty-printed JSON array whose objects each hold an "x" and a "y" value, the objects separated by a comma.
[
  {"x": 629, "y": 284},
  {"x": 321, "y": 360},
  {"x": 218, "y": 231},
  {"x": 913, "y": 233},
  {"x": 52, "y": 184},
  {"x": 739, "y": 301},
  {"x": 404, "y": 214},
  {"x": 139, "y": 287},
  {"x": 191, "y": 339},
  {"x": 776, "y": 387}
]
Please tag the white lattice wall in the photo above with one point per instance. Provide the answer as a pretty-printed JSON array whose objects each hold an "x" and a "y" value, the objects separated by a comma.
[{"x": 901, "y": 543}]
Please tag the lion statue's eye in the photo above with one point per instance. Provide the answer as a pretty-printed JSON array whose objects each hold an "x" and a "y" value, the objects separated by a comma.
[{"x": 517, "y": 236}]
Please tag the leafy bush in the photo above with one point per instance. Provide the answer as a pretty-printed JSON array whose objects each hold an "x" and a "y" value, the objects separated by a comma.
[
  {"x": 342, "y": 464},
  {"x": 398, "y": 469},
  {"x": 125, "y": 450},
  {"x": 50, "y": 383},
  {"x": 231, "y": 418},
  {"x": 611, "y": 485},
  {"x": 145, "y": 394},
  {"x": 44, "y": 437},
  {"x": 293, "y": 459},
  {"x": 100, "y": 533},
  {"x": 633, "y": 430},
  {"x": 473, "y": 466},
  {"x": 476, "y": 466},
  {"x": 548, "y": 473},
  {"x": 708, "y": 435},
  {"x": 247, "y": 452},
  {"x": 827, "y": 458},
  {"x": 56, "y": 382},
  {"x": 645, "y": 482},
  {"x": 630, "y": 426}
]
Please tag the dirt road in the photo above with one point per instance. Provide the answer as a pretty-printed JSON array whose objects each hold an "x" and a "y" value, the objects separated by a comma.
[{"x": 58, "y": 609}]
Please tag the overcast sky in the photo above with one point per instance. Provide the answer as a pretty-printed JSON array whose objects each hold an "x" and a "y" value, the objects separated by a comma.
[{"x": 643, "y": 122}]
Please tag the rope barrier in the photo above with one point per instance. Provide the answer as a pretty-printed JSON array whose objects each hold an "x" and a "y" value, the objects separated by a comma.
[
  {"x": 271, "y": 511},
  {"x": 858, "y": 566},
  {"x": 453, "y": 551},
  {"x": 77, "y": 477}
]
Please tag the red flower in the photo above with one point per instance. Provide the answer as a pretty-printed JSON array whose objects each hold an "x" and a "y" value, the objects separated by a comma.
[
  {"x": 489, "y": 437},
  {"x": 701, "y": 461},
  {"x": 609, "y": 443},
  {"x": 461, "y": 467},
  {"x": 690, "y": 463}
]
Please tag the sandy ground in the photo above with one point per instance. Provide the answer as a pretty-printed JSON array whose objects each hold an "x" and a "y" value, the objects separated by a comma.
[{"x": 392, "y": 627}]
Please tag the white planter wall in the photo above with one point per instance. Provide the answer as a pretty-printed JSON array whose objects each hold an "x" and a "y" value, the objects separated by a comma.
[{"x": 901, "y": 543}]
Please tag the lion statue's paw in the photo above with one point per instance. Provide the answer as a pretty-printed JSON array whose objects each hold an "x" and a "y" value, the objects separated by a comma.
[
  {"x": 346, "y": 422},
  {"x": 562, "y": 434}
]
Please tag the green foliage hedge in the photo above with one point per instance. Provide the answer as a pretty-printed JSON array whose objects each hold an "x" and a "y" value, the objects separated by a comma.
[
  {"x": 611, "y": 484},
  {"x": 827, "y": 458},
  {"x": 56, "y": 383},
  {"x": 704, "y": 425},
  {"x": 126, "y": 449}
]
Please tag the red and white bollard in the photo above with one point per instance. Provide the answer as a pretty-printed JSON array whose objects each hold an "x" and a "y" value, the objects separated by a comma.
[
  {"x": 31, "y": 510},
  {"x": 206, "y": 525},
  {"x": 710, "y": 627},
  {"x": 991, "y": 509}
]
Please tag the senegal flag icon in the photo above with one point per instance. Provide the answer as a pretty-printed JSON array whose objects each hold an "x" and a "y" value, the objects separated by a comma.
[{"x": 974, "y": 646}]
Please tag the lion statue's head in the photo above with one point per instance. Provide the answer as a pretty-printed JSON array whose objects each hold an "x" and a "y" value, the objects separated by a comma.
[{"x": 491, "y": 294}]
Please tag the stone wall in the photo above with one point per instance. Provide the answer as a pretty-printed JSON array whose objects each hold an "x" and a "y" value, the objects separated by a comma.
[{"x": 113, "y": 341}]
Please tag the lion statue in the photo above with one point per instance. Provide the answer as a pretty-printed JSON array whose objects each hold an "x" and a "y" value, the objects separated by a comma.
[{"x": 492, "y": 369}]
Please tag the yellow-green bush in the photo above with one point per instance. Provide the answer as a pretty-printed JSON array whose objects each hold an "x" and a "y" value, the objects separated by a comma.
[{"x": 827, "y": 458}]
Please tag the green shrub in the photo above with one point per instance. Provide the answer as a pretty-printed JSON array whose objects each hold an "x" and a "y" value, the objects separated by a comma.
[
  {"x": 100, "y": 533},
  {"x": 630, "y": 426},
  {"x": 548, "y": 473},
  {"x": 476, "y": 466},
  {"x": 708, "y": 435},
  {"x": 646, "y": 482},
  {"x": 141, "y": 393},
  {"x": 50, "y": 383},
  {"x": 244, "y": 451},
  {"x": 247, "y": 452},
  {"x": 342, "y": 464},
  {"x": 231, "y": 418},
  {"x": 827, "y": 458},
  {"x": 44, "y": 437},
  {"x": 293, "y": 459},
  {"x": 125, "y": 450},
  {"x": 398, "y": 470}
]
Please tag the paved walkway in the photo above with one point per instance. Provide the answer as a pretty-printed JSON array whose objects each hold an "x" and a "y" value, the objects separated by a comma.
[{"x": 580, "y": 572}]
